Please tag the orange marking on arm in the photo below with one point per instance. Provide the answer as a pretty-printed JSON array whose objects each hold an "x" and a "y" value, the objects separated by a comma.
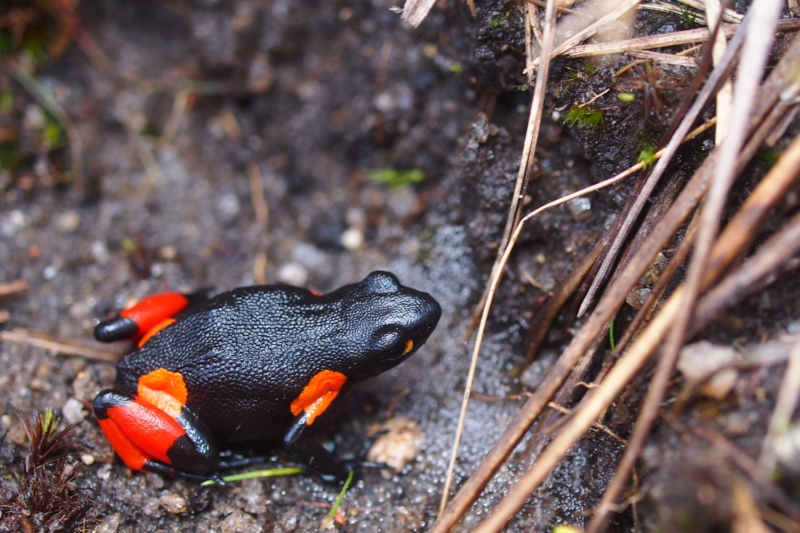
[
  {"x": 318, "y": 394},
  {"x": 154, "y": 309},
  {"x": 164, "y": 389},
  {"x": 155, "y": 329},
  {"x": 315, "y": 293}
]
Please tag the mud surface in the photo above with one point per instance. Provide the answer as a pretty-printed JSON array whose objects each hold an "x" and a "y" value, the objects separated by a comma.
[{"x": 209, "y": 105}]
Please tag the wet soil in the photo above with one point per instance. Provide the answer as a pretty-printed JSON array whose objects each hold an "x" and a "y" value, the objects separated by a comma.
[{"x": 302, "y": 99}]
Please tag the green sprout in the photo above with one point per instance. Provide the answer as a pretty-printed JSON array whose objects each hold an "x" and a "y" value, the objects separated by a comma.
[
  {"x": 335, "y": 506},
  {"x": 611, "y": 334},
  {"x": 254, "y": 474},
  {"x": 53, "y": 132},
  {"x": 456, "y": 68},
  {"x": 586, "y": 116},
  {"x": 688, "y": 17},
  {"x": 6, "y": 100},
  {"x": 494, "y": 21},
  {"x": 626, "y": 97},
  {"x": 647, "y": 156},
  {"x": 395, "y": 178}
]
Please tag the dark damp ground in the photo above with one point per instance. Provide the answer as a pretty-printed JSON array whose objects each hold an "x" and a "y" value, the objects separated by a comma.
[{"x": 303, "y": 99}]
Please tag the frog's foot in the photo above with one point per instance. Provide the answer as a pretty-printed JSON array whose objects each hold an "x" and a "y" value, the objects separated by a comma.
[
  {"x": 166, "y": 438},
  {"x": 148, "y": 317}
]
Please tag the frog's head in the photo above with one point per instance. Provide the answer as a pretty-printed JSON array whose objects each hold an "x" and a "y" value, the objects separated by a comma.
[{"x": 399, "y": 319}]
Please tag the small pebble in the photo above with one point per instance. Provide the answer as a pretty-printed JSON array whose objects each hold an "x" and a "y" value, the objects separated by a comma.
[
  {"x": 579, "y": 208},
  {"x": 73, "y": 411},
  {"x": 352, "y": 239},
  {"x": 87, "y": 459},
  {"x": 173, "y": 503},
  {"x": 700, "y": 359},
  {"x": 110, "y": 524},
  {"x": 68, "y": 221},
  {"x": 293, "y": 274},
  {"x": 104, "y": 472},
  {"x": 398, "y": 446},
  {"x": 49, "y": 272}
]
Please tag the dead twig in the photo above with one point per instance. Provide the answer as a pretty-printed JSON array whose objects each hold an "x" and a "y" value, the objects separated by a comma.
[
  {"x": 94, "y": 351},
  {"x": 775, "y": 254},
  {"x": 13, "y": 287},
  {"x": 677, "y": 38}
]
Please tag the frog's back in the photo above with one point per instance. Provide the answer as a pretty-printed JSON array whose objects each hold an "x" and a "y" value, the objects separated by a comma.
[{"x": 244, "y": 356}]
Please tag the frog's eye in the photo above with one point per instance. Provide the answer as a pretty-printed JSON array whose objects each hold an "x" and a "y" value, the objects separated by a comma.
[{"x": 390, "y": 343}]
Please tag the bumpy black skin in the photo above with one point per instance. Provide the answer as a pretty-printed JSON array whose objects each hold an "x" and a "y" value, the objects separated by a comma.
[{"x": 246, "y": 354}]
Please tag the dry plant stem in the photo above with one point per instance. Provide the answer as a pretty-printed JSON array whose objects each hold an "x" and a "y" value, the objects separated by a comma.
[
  {"x": 717, "y": 77},
  {"x": 645, "y": 312},
  {"x": 746, "y": 518},
  {"x": 415, "y": 11},
  {"x": 13, "y": 287},
  {"x": 590, "y": 30},
  {"x": 677, "y": 38},
  {"x": 523, "y": 175},
  {"x": 667, "y": 59},
  {"x": 544, "y": 319},
  {"x": 725, "y": 94},
  {"x": 784, "y": 407},
  {"x": 771, "y": 257},
  {"x": 729, "y": 15},
  {"x": 764, "y": 15},
  {"x": 94, "y": 351}
]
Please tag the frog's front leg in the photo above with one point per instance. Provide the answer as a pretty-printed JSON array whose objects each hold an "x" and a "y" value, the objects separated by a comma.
[{"x": 160, "y": 435}]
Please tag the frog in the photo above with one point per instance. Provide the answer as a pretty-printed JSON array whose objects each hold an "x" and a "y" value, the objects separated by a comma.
[{"x": 250, "y": 365}]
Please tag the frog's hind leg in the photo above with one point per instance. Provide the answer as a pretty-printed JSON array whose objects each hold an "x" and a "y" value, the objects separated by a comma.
[
  {"x": 147, "y": 317},
  {"x": 154, "y": 439}
]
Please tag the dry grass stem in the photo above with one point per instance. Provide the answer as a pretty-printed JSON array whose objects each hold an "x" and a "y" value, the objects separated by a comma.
[
  {"x": 674, "y": 10},
  {"x": 13, "y": 287},
  {"x": 746, "y": 518},
  {"x": 729, "y": 15},
  {"x": 415, "y": 11},
  {"x": 677, "y": 38},
  {"x": 176, "y": 115},
  {"x": 725, "y": 94},
  {"x": 667, "y": 59},
  {"x": 597, "y": 425},
  {"x": 94, "y": 351},
  {"x": 657, "y": 291},
  {"x": 590, "y": 30}
]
